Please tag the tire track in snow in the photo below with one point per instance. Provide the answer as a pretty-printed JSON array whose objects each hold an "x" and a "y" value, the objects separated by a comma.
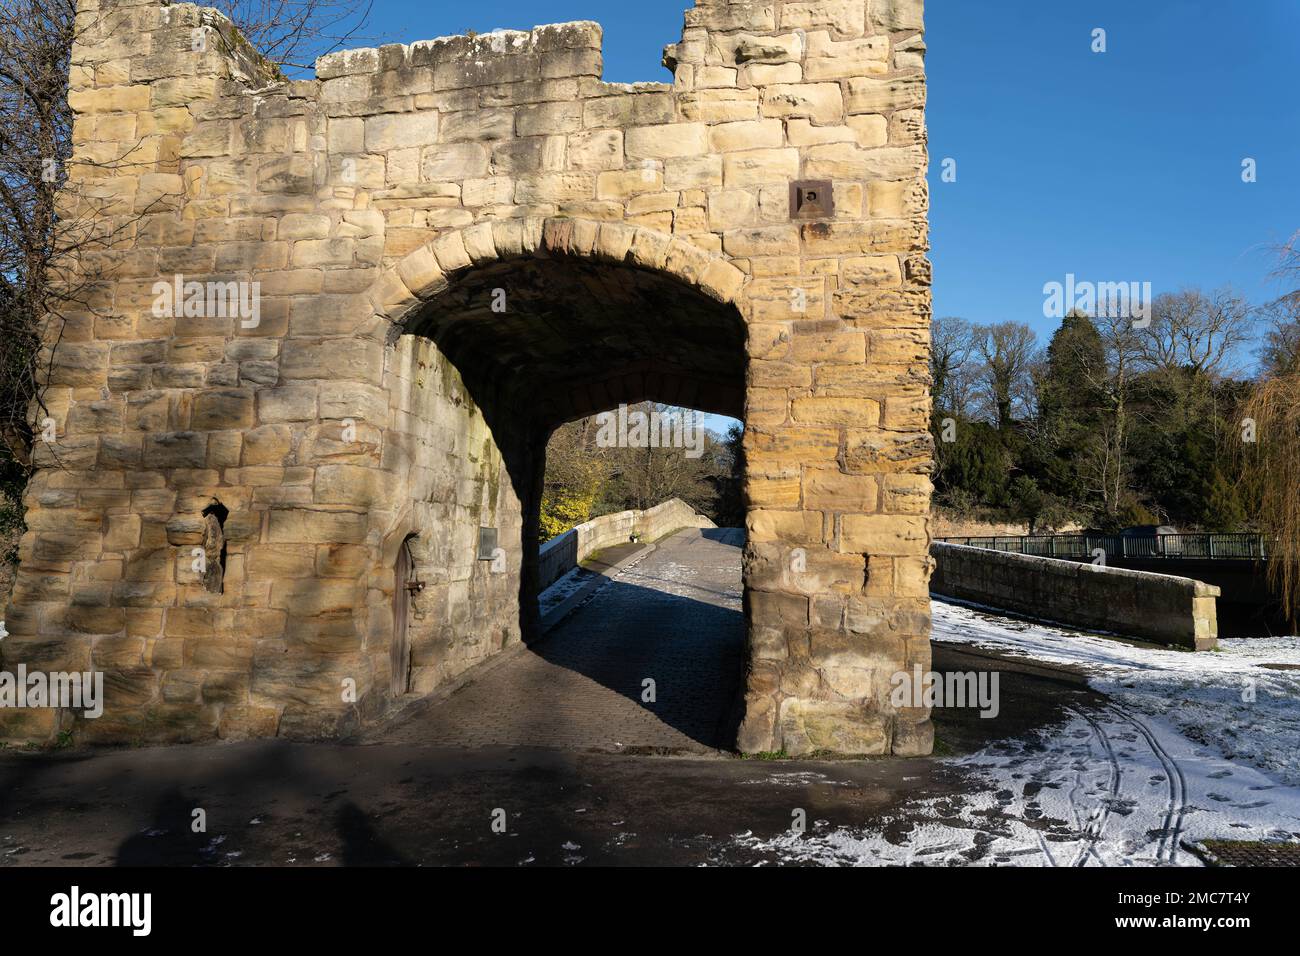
[
  {"x": 1175, "y": 803},
  {"x": 1103, "y": 815},
  {"x": 1167, "y": 849}
]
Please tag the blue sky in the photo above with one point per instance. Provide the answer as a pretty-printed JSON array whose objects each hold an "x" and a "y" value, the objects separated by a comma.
[
  {"x": 1123, "y": 165},
  {"x": 1115, "y": 166}
]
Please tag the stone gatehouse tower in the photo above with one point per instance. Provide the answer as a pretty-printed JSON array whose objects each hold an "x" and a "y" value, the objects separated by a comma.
[{"x": 445, "y": 250}]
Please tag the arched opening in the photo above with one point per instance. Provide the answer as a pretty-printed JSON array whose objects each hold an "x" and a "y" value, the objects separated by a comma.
[
  {"x": 641, "y": 581},
  {"x": 483, "y": 374}
]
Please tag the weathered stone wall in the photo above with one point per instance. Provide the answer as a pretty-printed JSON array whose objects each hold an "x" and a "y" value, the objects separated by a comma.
[
  {"x": 563, "y": 553},
  {"x": 456, "y": 481},
  {"x": 1155, "y": 607},
  {"x": 380, "y": 203}
]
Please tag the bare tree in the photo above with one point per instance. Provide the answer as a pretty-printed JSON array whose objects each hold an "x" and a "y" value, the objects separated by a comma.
[
  {"x": 1008, "y": 350},
  {"x": 292, "y": 33},
  {"x": 1280, "y": 352},
  {"x": 637, "y": 457},
  {"x": 651, "y": 474},
  {"x": 35, "y": 143},
  {"x": 1123, "y": 348},
  {"x": 952, "y": 344},
  {"x": 1288, "y": 269},
  {"x": 1197, "y": 331}
]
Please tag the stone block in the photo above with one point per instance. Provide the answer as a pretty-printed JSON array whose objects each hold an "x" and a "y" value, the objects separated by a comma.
[
  {"x": 820, "y": 102},
  {"x": 842, "y": 727},
  {"x": 666, "y": 141},
  {"x": 895, "y": 535}
]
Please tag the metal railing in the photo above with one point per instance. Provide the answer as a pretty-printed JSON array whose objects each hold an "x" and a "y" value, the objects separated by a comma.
[{"x": 1227, "y": 547}]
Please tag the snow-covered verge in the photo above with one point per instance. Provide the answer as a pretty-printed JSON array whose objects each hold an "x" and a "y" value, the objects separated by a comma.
[
  {"x": 1224, "y": 699},
  {"x": 1192, "y": 746}
]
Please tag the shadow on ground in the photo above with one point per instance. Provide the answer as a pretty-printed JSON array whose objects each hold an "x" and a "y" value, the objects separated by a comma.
[{"x": 403, "y": 800}]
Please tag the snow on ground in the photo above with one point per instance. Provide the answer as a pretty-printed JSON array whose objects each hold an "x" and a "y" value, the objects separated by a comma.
[
  {"x": 1222, "y": 699},
  {"x": 1192, "y": 746},
  {"x": 557, "y": 593},
  {"x": 670, "y": 581},
  {"x": 666, "y": 582}
]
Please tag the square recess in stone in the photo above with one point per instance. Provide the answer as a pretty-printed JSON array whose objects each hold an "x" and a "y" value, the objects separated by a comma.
[{"x": 812, "y": 199}]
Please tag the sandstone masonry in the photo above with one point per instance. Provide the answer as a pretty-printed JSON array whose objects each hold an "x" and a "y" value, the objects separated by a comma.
[{"x": 644, "y": 240}]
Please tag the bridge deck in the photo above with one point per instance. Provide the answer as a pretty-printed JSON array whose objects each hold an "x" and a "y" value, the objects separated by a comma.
[{"x": 674, "y": 617}]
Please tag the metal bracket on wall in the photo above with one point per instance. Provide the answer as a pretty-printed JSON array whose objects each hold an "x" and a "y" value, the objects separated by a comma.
[{"x": 415, "y": 586}]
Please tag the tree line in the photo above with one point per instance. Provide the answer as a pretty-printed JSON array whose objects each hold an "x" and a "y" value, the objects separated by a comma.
[
  {"x": 1115, "y": 421},
  {"x": 588, "y": 474}
]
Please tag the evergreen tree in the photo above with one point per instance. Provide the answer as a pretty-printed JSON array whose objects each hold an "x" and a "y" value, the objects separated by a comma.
[
  {"x": 1224, "y": 508},
  {"x": 1070, "y": 402}
]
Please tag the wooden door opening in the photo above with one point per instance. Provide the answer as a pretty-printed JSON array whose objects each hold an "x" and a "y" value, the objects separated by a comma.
[{"x": 401, "y": 648}]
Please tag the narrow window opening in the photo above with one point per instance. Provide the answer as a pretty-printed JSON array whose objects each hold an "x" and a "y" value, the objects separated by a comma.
[{"x": 214, "y": 547}]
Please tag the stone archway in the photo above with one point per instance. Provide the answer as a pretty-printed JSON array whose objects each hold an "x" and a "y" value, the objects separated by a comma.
[
  {"x": 780, "y": 175},
  {"x": 498, "y": 335}
]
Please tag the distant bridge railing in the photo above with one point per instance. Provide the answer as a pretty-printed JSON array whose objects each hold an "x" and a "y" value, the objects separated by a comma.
[{"x": 1227, "y": 547}]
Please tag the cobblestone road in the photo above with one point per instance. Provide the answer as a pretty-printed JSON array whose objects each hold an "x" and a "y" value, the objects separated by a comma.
[{"x": 673, "y": 618}]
